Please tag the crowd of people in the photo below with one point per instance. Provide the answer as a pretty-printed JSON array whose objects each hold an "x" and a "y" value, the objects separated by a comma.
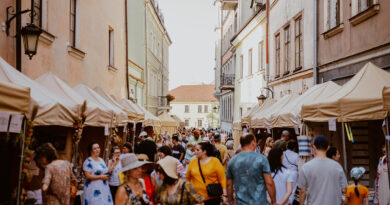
[{"x": 203, "y": 167}]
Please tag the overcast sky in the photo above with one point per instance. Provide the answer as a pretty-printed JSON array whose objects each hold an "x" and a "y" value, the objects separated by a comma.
[{"x": 190, "y": 24}]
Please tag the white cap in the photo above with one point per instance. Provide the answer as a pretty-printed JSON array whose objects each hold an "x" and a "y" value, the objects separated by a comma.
[{"x": 143, "y": 133}]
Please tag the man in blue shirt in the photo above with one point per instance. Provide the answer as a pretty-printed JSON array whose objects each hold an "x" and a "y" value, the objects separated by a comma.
[{"x": 249, "y": 172}]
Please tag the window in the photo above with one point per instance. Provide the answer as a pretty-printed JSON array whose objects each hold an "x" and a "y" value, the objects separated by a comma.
[
  {"x": 199, "y": 123},
  {"x": 364, "y": 4},
  {"x": 235, "y": 23},
  {"x": 199, "y": 108},
  {"x": 261, "y": 56},
  {"x": 250, "y": 62},
  {"x": 186, "y": 108},
  {"x": 206, "y": 108},
  {"x": 286, "y": 49},
  {"x": 240, "y": 112},
  {"x": 334, "y": 13},
  {"x": 37, "y": 19},
  {"x": 111, "y": 46},
  {"x": 241, "y": 66},
  {"x": 277, "y": 55},
  {"x": 186, "y": 123},
  {"x": 298, "y": 43},
  {"x": 72, "y": 36}
]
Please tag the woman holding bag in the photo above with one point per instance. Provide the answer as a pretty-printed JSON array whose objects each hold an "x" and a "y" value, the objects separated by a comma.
[
  {"x": 207, "y": 175},
  {"x": 174, "y": 190}
]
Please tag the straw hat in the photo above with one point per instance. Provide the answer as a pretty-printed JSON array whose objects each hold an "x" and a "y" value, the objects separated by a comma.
[
  {"x": 169, "y": 165},
  {"x": 142, "y": 157},
  {"x": 129, "y": 161}
]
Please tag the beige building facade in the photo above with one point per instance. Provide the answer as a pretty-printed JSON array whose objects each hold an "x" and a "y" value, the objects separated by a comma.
[
  {"x": 71, "y": 45},
  {"x": 350, "y": 34},
  {"x": 291, "y": 46},
  {"x": 148, "y": 55}
]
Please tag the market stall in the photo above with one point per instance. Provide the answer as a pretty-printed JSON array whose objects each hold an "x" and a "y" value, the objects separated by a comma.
[
  {"x": 181, "y": 122},
  {"x": 246, "y": 118},
  {"x": 15, "y": 100},
  {"x": 168, "y": 124},
  {"x": 358, "y": 109},
  {"x": 290, "y": 115},
  {"x": 261, "y": 119}
]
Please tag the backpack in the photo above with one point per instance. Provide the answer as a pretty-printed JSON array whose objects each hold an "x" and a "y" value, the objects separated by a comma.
[{"x": 217, "y": 154}]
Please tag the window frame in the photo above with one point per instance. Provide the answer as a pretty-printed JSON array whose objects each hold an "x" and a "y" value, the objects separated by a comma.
[
  {"x": 250, "y": 62},
  {"x": 298, "y": 41},
  {"x": 199, "y": 108},
  {"x": 206, "y": 108},
  {"x": 241, "y": 66},
  {"x": 186, "y": 108},
  {"x": 111, "y": 47},
  {"x": 287, "y": 39},
  {"x": 37, "y": 9},
  {"x": 277, "y": 55},
  {"x": 260, "y": 60},
  {"x": 200, "y": 122},
  {"x": 186, "y": 122},
  {"x": 72, "y": 30}
]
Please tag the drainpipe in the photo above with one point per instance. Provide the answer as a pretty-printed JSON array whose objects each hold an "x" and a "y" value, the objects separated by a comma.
[
  {"x": 267, "y": 46},
  {"x": 146, "y": 57},
  {"x": 220, "y": 67},
  {"x": 315, "y": 69},
  {"x": 18, "y": 36},
  {"x": 127, "y": 54}
]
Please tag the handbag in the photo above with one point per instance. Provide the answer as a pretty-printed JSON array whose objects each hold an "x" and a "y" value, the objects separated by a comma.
[{"x": 213, "y": 190}]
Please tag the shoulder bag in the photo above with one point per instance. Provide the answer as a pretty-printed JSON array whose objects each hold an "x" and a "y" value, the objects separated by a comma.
[{"x": 213, "y": 190}]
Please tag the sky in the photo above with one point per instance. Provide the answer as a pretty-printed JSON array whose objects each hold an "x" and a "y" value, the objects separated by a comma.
[{"x": 190, "y": 25}]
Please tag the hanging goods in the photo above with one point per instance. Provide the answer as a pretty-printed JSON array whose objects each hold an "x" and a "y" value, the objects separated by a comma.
[{"x": 349, "y": 132}]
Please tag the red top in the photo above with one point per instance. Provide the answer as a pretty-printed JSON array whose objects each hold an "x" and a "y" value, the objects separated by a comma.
[{"x": 149, "y": 188}]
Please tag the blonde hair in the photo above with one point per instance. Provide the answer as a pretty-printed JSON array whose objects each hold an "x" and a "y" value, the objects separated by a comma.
[{"x": 268, "y": 141}]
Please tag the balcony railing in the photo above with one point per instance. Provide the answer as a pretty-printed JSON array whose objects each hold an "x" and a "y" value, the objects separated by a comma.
[{"x": 227, "y": 81}]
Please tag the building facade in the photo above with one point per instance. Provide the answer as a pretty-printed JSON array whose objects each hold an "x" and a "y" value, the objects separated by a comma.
[
  {"x": 148, "y": 55},
  {"x": 195, "y": 105},
  {"x": 71, "y": 44},
  {"x": 357, "y": 31},
  {"x": 291, "y": 46},
  {"x": 249, "y": 55}
]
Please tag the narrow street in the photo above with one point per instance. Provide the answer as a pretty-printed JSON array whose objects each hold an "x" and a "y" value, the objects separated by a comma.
[{"x": 171, "y": 102}]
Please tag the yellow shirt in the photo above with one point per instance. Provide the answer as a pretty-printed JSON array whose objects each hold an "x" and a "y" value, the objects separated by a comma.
[
  {"x": 213, "y": 173},
  {"x": 351, "y": 195}
]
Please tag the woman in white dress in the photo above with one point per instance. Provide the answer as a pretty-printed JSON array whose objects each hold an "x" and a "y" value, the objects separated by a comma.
[{"x": 96, "y": 188}]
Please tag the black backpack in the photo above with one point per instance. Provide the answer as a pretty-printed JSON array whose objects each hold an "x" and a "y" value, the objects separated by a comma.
[{"x": 217, "y": 154}]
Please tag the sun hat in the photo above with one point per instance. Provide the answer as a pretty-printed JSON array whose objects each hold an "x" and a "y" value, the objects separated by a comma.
[
  {"x": 169, "y": 165},
  {"x": 357, "y": 172},
  {"x": 129, "y": 161},
  {"x": 143, "y": 133},
  {"x": 142, "y": 157}
]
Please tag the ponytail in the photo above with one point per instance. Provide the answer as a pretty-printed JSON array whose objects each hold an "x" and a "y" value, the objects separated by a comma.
[{"x": 356, "y": 188}]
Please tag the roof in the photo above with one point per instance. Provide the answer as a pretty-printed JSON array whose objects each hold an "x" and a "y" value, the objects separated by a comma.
[{"x": 194, "y": 93}]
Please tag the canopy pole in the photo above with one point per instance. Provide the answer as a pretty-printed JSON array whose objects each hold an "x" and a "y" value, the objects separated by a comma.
[
  {"x": 134, "y": 129},
  {"x": 344, "y": 148},
  {"x": 21, "y": 162},
  {"x": 387, "y": 146}
]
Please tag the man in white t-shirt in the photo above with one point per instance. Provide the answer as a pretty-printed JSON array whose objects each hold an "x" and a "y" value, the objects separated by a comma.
[{"x": 321, "y": 180}]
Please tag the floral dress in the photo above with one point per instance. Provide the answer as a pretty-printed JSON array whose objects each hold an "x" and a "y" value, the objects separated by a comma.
[
  {"x": 58, "y": 175},
  {"x": 142, "y": 199},
  {"x": 96, "y": 191}
]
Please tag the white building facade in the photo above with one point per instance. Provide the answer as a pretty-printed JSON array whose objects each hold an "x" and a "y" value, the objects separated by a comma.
[{"x": 195, "y": 105}]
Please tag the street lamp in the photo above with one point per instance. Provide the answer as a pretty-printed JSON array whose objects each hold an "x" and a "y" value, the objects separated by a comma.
[
  {"x": 261, "y": 99},
  {"x": 30, "y": 33}
]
